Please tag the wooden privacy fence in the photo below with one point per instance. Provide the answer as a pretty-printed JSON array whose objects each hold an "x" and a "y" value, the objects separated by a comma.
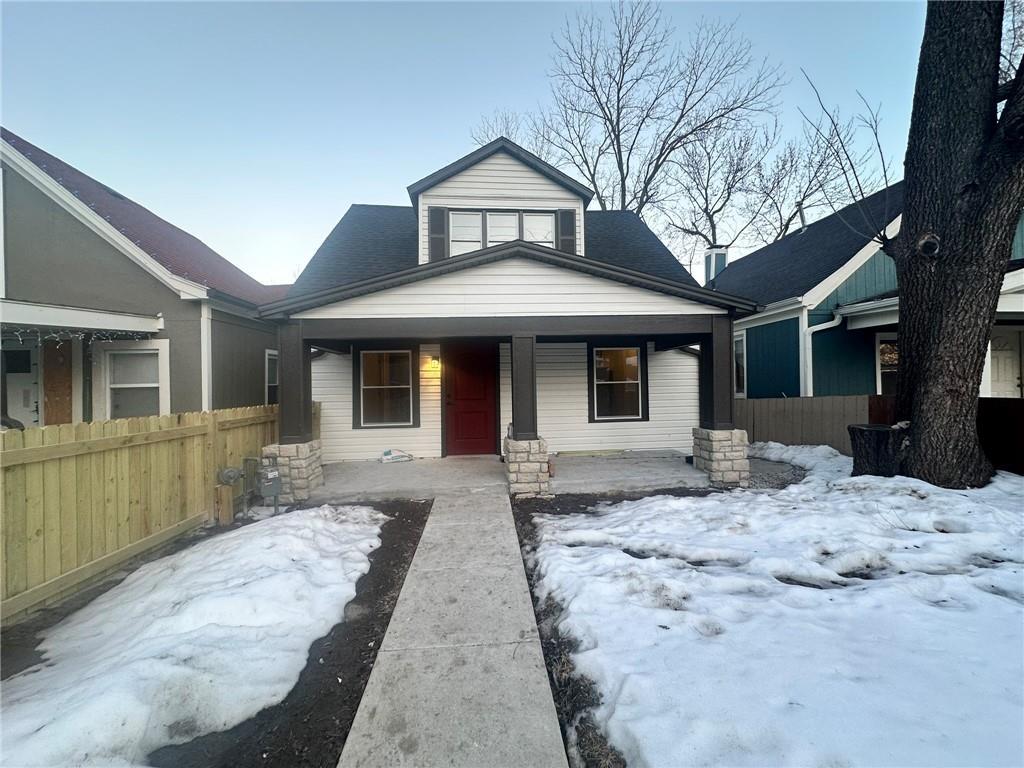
[
  {"x": 79, "y": 499},
  {"x": 808, "y": 420},
  {"x": 823, "y": 421}
]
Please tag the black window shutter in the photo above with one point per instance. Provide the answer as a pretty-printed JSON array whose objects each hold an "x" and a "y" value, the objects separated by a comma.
[
  {"x": 437, "y": 233},
  {"x": 567, "y": 231}
]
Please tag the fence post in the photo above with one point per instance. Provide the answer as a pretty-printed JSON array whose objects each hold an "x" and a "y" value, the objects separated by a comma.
[{"x": 225, "y": 504}]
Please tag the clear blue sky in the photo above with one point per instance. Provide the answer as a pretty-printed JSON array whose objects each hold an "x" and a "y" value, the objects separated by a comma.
[{"x": 255, "y": 125}]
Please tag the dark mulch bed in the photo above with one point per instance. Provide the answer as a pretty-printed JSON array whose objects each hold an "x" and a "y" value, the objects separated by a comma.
[
  {"x": 575, "y": 695},
  {"x": 309, "y": 727}
]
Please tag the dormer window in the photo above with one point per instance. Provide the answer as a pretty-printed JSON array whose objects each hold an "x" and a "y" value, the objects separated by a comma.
[
  {"x": 502, "y": 227},
  {"x": 539, "y": 228},
  {"x": 469, "y": 230}
]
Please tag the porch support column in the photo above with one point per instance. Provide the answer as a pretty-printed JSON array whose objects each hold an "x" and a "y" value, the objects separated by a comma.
[
  {"x": 295, "y": 399},
  {"x": 524, "y": 388},
  {"x": 716, "y": 394},
  {"x": 718, "y": 448}
]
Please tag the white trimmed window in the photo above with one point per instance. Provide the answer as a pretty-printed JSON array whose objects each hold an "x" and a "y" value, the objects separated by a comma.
[
  {"x": 386, "y": 388},
  {"x": 539, "y": 228},
  {"x": 617, "y": 383},
  {"x": 887, "y": 363},
  {"x": 270, "y": 375},
  {"x": 502, "y": 227},
  {"x": 466, "y": 231},
  {"x": 739, "y": 357},
  {"x": 134, "y": 379}
]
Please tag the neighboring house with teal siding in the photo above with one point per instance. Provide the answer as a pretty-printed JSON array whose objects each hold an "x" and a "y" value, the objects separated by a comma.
[{"x": 830, "y": 318}]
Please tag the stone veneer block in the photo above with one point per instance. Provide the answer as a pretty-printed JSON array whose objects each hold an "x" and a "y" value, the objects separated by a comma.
[
  {"x": 722, "y": 453},
  {"x": 300, "y": 466},
  {"x": 526, "y": 463}
]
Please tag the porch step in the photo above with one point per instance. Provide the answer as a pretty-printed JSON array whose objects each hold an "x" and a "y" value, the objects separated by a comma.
[{"x": 460, "y": 677}]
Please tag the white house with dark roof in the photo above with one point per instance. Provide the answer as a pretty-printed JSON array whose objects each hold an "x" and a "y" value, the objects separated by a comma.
[{"x": 498, "y": 315}]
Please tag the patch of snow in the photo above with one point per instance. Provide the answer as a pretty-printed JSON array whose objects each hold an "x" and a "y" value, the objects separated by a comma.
[
  {"x": 839, "y": 621},
  {"x": 261, "y": 513},
  {"x": 189, "y": 644}
]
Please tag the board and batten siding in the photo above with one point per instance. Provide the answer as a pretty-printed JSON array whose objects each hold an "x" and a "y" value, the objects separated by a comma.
[
  {"x": 497, "y": 182},
  {"x": 562, "y": 404},
  {"x": 332, "y": 388},
  {"x": 511, "y": 287}
]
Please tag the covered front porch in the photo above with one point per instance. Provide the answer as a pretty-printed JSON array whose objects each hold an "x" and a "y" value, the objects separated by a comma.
[{"x": 518, "y": 351}]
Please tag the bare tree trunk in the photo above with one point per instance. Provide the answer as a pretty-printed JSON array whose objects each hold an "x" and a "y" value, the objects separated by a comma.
[{"x": 964, "y": 195}]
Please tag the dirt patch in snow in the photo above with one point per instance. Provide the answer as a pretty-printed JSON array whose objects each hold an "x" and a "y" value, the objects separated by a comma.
[{"x": 309, "y": 727}]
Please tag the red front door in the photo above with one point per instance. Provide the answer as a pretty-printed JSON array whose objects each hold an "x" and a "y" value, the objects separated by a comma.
[{"x": 471, "y": 397}]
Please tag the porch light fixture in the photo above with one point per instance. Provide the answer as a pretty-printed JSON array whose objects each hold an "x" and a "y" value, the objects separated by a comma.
[{"x": 435, "y": 362}]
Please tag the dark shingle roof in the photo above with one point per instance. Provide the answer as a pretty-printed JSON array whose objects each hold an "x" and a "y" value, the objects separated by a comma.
[
  {"x": 801, "y": 260},
  {"x": 178, "y": 251},
  {"x": 375, "y": 240}
]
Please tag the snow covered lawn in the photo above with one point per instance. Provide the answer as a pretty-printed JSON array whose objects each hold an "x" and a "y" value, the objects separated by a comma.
[
  {"x": 192, "y": 643},
  {"x": 838, "y": 622}
]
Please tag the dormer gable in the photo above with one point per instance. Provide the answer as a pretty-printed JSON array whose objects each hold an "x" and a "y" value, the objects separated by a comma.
[{"x": 496, "y": 194}]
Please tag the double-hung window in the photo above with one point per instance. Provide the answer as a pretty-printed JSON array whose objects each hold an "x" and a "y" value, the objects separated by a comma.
[
  {"x": 134, "y": 383},
  {"x": 386, "y": 388},
  {"x": 887, "y": 363},
  {"x": 473, "y": 230},
  {"x": 539, "y": 228},
  {"x": 617, "y": 383},
  {"x": 502, "y": 227},
  {"x": 466, "y": 232}
]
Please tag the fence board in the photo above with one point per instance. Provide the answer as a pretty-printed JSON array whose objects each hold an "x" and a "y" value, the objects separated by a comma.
[
  {"x": 80, "y": 499},
  {"x": 68, "y": 504},
  {"x": 802, "y": 420},
  {"x": 15, "y": 525},
  {"x": 83, "y": 498},
  {"x": 36, "y": 555}
]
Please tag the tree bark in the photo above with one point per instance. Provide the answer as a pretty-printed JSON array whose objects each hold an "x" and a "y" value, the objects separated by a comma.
[{"x": 964, "y": 194}]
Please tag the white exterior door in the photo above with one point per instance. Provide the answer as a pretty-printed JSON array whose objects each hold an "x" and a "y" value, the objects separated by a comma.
[{"x": 1006, "y": 366}]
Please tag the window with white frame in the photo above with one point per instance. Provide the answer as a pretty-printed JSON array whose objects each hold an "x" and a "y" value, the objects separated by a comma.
[
  {"x": 539, "y": 228},
  {"x": 134, "y": 383},
  {"x": 270, "y": 377},
  {"x": 466, "y": 232},
  {"x": 386, "y": 388},
  {"x": 502, "y": 227},
  {"x": 887, "y": 363},
  {"x": 617, "y": 393},
  {"x": 739, "y": 356}
]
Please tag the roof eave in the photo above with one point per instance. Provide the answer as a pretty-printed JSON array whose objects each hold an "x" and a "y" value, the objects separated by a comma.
[{"x": 736, "y": 305}]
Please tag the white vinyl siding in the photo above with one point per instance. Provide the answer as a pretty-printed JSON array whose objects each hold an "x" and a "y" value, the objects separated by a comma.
[
  {"x": 497, "y": 182},
  {"x": 562, "y": 402},
  {"x": 512, "y": 287},
  {"x": 332, "y": 387}
]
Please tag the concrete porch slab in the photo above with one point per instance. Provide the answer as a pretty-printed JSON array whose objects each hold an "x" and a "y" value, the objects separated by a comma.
[
  {"x": 624, "y": 471},
  {"x": 417, "y": 479}
]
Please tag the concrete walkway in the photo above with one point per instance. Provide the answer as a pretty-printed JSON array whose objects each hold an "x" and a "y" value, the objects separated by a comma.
[{"x": 460, "y": 677}]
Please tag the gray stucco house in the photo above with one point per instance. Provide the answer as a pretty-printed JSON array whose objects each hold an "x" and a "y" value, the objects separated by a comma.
[{"x": 109, "y": 311}]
